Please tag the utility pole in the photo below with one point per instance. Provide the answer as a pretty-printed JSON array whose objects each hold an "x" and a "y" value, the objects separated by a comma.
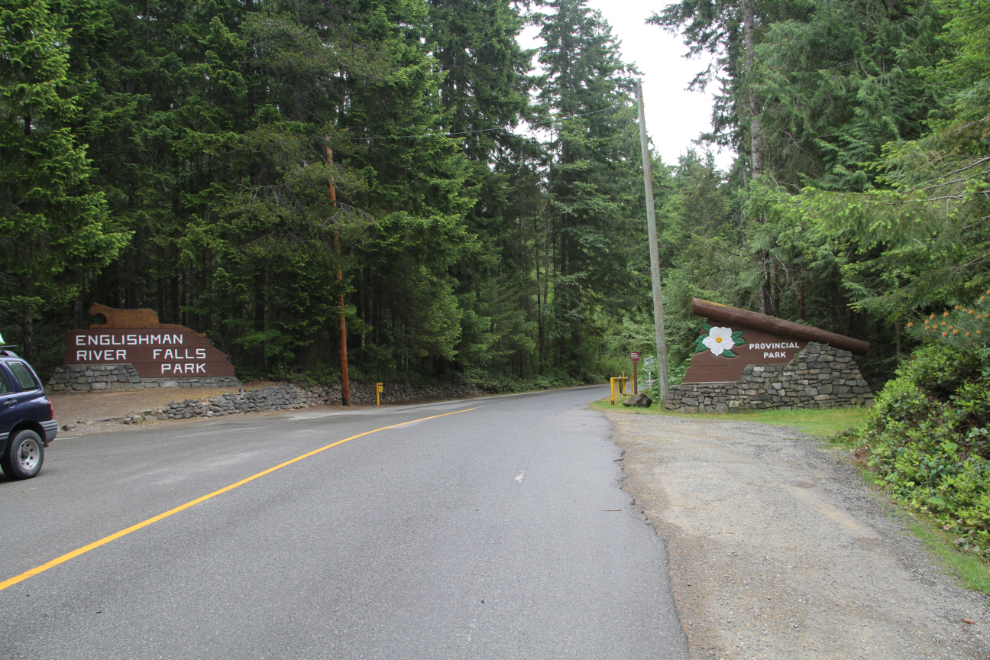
[
  {"x": 345, "y": 387},
  {"x": 651, "y": 223}
]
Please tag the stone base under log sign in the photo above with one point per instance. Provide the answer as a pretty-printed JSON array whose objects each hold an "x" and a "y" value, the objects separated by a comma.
[
  {"x": 819, "y": 376},
  {"x": 122, "y": 376}
]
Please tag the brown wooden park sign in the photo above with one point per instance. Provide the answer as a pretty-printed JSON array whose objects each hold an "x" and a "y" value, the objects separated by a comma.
[
  {"x": 156, "y": 350},
  {"x": 734, "y": 338}
]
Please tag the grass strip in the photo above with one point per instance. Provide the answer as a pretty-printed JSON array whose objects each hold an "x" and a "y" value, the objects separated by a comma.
[
  {"x": 819, "y": 422},
  {"x": 972, "y": 572}
]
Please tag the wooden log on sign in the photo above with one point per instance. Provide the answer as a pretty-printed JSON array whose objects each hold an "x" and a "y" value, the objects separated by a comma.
[
  {"x": 132, "y": 318},
  {"x": 741, "y": 317}
]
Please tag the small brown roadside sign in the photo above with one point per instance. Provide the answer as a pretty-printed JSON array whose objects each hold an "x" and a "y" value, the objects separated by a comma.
[{"x": 635, "y": 356}]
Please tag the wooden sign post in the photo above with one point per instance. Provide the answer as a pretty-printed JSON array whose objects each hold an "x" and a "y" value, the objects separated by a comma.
[{"x": 635, "y": 360}]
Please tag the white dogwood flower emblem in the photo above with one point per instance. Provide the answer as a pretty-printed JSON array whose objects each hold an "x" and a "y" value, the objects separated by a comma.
[{"x": 719, "y": 340}]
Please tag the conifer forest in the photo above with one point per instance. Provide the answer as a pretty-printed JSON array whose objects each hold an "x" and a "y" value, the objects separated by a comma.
[{"x": 490, "y": 221}]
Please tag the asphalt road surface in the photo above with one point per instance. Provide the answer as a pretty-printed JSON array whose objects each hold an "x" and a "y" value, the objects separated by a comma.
[{"x": 490, "y": 528}]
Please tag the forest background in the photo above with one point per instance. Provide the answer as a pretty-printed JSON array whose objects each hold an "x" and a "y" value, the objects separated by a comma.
[{"x": 490, "y": 218}]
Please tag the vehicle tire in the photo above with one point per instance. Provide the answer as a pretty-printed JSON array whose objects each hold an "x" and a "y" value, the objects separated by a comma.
[{"x": 23, "y": 456}]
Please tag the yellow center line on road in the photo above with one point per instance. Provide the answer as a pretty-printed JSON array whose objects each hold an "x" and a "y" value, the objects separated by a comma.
[{"x": 171, "y": 512}]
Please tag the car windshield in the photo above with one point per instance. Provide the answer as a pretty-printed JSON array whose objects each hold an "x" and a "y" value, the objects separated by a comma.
[{"x": 23, "y": 375}]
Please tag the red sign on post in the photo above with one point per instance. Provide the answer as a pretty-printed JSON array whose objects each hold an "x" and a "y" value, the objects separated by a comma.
[{"x": 635, "y": 356}]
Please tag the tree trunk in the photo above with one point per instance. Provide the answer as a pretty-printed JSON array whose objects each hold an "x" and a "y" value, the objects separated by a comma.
[
  {"x": 192, "y": 319},
  {"x": 573, "y": 267},
  {"x": 777, "y": 294},
  {"x": 176, "y": 314},
  {"x": 764, "y": 257},
  {"x": 753, "y": 106},
  {"x": 130, "y": 286},
  {"x": 267, "y": 311},
  {"x": 28, "y": 327},
  {"x": 77, "y": 311}
]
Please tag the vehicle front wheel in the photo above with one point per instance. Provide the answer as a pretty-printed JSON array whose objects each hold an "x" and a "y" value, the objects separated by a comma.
[{"x": 23, "y": 456}]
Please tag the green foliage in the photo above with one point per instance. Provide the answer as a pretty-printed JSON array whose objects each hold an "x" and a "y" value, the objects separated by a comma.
[
  {"x": 54, "y": 227},
  {"x": 837, "y": 84},
  {"x": 495, "y": 384},
  {"x": 928, "y": 440},
  {"x": 966, "y": 70},
  {"x": 962, "y": 327}
]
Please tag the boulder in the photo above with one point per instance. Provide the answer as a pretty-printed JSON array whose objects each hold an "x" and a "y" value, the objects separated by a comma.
[{"x": 641, "y": 400}]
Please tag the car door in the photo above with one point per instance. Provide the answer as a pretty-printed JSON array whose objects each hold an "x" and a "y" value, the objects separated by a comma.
[
  {"x": 8, "y": 403},
  {"x": 26, "y": 389}
]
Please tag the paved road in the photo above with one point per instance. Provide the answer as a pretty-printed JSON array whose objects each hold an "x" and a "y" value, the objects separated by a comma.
[{"x": 497, "y": 532}]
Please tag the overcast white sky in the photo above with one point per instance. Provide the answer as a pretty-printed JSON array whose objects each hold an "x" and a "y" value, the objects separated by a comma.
[{"x": 674, "y": 116}]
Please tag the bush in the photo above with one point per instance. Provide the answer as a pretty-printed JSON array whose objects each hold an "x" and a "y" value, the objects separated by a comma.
[
  {"x": 927, "y": 438},
  {"x": 496, "y": 384}
]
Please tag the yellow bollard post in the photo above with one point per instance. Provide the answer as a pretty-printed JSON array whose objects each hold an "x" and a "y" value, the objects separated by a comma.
[
  {"x": 378, "y": 394},
  {"x": 611, "y": 389}
]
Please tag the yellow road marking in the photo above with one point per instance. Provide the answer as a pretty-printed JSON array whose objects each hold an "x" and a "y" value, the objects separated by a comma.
[{"x": 161, "y": 516}]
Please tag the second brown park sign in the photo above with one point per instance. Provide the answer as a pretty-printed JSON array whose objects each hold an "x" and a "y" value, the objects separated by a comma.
[
  {"x": 156, "y": 351},
  {"x": 733, "y": 338}
]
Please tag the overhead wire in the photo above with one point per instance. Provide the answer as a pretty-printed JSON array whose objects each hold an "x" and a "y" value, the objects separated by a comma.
[{"x": 483, "y": 130}]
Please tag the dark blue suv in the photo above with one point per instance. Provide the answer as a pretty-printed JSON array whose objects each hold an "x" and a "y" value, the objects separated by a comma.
[{"x": 27, "y": 420}]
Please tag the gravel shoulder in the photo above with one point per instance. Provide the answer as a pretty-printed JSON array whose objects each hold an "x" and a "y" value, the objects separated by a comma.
[{"x": 779, "y": 550}]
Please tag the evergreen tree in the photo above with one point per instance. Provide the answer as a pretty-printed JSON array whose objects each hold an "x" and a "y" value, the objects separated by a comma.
[
  {"x": 52, "y": 224},
  {"x": 484, "y": 94},
  {"x": 592, "y": 174},
  {"x": 842, "y": 82}
]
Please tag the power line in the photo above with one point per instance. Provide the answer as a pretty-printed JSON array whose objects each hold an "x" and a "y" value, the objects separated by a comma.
[{"x": 483, "y": 130}]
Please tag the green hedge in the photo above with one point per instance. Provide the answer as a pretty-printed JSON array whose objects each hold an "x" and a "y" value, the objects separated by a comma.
[{"x": 927, "y": 438}]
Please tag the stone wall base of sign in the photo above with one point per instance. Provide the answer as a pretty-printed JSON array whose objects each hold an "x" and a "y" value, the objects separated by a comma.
[
  {"x": 820, "y": 376},
  {"x": 292, "y": 397},
  {"x": 116, "y": 377},
  {"x": 107, "y": 377}
]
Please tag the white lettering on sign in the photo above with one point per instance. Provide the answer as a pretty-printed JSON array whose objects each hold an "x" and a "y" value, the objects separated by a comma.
[
  {"x": 109, "y": 355},
  {"x": 770, "y": 347},
  {"x": 181, "y": 354},
  {"x": 128, "y": 340},
  {"x": 187, "y": 368},
  {"x": 774, "y": 354}
]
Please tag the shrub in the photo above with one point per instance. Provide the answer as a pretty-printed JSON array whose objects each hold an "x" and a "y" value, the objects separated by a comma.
[{"x": 927, "y": 438}]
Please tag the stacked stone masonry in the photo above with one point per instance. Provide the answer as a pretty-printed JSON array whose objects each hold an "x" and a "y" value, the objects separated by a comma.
[
  {"x": 106, "y": 377},
  {"x": 820, "y": 376},
  {"x": 293, "y": 397}
]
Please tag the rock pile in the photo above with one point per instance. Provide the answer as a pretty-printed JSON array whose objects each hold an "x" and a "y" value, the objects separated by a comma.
[
  {"x": 293, "y": 397},
  {"x": 641, "y": 400}
]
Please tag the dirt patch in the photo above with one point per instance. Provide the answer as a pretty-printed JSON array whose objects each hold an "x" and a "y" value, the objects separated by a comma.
[{"x": 778, "y": 550}]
